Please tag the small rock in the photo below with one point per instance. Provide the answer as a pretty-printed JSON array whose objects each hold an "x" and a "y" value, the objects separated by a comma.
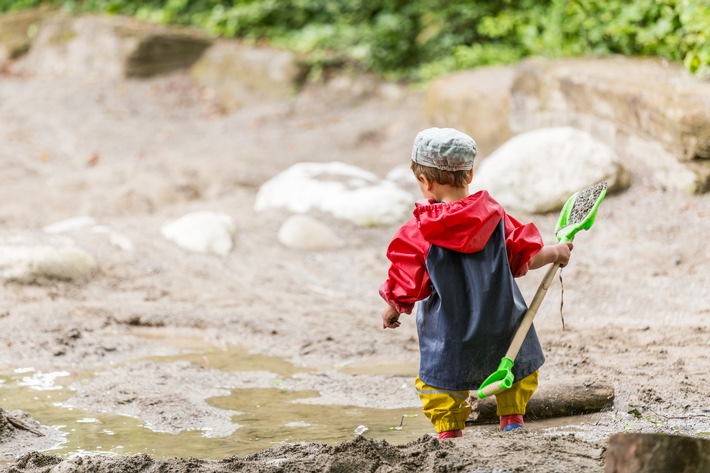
[
  {"x": 303, "y": 232},
  {"x": 203, "y": 232}
]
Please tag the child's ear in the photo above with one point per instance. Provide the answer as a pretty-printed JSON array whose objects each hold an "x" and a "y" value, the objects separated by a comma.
[
  {"x": 470, "y": 176},
  {"x": 427, "y": 183}
]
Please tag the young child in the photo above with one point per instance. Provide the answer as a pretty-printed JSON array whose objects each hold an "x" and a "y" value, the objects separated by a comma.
[{"x": 459, "y": 256}]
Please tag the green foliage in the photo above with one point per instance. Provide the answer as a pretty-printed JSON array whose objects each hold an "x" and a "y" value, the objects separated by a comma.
[
  {"x": 11, "y": 5},
  {"x": 423, "y": 39},
  {"x": 695, "y": 20}
]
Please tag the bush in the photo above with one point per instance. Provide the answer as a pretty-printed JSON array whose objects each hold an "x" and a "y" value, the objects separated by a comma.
[{"x": 422, "y": 39}]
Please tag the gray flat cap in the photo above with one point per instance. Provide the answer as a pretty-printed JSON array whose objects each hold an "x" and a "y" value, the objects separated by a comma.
[{"x": 444, "y": 148}]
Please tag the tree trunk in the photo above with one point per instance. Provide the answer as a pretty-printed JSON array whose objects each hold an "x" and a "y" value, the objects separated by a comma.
[
  {"x": 653, "y": 453},
  {"x": 557, "y": 400}
]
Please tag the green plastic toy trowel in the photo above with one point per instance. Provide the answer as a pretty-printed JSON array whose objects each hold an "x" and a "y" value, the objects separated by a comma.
[{"x": 578, "y": 213}]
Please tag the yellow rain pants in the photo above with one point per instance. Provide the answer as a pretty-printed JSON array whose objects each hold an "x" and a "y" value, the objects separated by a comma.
[
  {"x": 515, "y": 399},
  {"x": 448, "y": 409}
]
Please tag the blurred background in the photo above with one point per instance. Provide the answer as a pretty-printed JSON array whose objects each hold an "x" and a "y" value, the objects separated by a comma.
[{"x": 420, "y": 40}]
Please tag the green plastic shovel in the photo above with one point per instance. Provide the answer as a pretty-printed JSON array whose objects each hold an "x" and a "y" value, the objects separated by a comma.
[{"x": 578, "y": 213}]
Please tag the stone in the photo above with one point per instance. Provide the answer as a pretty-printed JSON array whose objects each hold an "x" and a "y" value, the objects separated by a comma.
[
  {"x": 240, "y": 75},
  {"x": 537, "y": 171},
  {"x": 116, "y": 239},
  {"x": 40, "y": 259},
  {"x": 403, "y": 176},
  {"x": 110, "y": 47},
  {"x": 303, "y": 232},
  {"x": 476, "y": 102},
  {"x": 86, "y": 222},
  {"x": 202, "y": 232},
  {"x": 17, "y": 30},
  {"x": 653, "y": 113},
  {"x": 345, "y": 191}
]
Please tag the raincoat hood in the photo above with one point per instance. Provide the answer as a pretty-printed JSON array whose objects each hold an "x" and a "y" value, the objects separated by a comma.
[{"x": 464, "y": 225}]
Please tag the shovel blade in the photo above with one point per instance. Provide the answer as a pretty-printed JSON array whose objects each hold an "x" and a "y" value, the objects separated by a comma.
[{"x": 579, "y": 212}]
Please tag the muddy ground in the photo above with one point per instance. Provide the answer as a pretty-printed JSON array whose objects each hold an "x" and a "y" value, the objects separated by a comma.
[{"x": 136, "y": 154}]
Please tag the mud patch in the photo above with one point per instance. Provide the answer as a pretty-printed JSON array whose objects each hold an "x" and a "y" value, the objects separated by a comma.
[{"x": 357, "y": 455}]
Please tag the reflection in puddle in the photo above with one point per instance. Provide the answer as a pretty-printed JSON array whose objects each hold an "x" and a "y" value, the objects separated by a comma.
[
  {"x": 88, "y": 420},
  {"x": 40, "y": 381},
  {"x": 268, "y": 416}
]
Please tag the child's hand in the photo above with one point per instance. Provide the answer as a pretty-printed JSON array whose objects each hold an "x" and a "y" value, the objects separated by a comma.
[
  {"x": 390, "y": 318},
  {"x": 564, "y": 251},
  {"x": 557, "y": 253}
]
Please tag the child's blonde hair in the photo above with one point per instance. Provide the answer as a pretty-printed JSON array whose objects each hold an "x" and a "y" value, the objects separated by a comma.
[{"x": 449, "y": 178}]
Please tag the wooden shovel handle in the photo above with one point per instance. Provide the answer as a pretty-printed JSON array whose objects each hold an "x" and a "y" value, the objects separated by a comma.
[{"x": 530, "y": 314}]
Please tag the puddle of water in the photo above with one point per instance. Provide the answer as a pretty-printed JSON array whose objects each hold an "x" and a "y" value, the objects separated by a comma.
[
  {"x": 40, "y": 381},
  {"x": 269, "y": 416},
  {"x": 207, "y": 355},
  {"x": 235, "y": 359}
]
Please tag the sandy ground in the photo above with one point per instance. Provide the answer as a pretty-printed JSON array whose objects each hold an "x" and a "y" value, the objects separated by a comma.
[{"x": 136, "y": 154}]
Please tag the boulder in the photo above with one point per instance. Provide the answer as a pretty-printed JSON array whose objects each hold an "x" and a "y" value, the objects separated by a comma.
[
  {"x": 110, "y": 47},
  {"x": 303, "y": 232},
  {"x": 403, "y": 176},
  {"x": 345, "y": 191},
  {"x": 203, "y": 232},
  {"x": 17, "y": 30},
  {"x": 476, "y": 102},
  {"x": 350, "y": 89},
  {"x": 38, "y": 259},
  {"x": 240, "y": 75},
  {"x": 654, "y": 114},
  {"x": 537, "y": 171}
]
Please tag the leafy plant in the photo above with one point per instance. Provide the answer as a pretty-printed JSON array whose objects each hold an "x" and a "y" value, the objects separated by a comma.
[{"x": 423, "y": 39}]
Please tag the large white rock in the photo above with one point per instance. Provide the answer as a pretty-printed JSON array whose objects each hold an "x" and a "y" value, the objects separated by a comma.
[
  {"x": 34, "y": 259},
  {"x": 304, "y": 232},
  {"x": 347, "y": 192},
  {"x": 538, "y": 171},
  {"x": 203, "y": 232},
  {"x": 403, "y": 176}
]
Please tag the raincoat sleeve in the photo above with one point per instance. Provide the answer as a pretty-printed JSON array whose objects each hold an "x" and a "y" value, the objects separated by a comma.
[
  {"x": 522, "y": 242},
  {"x": 407, "y": 278}
]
